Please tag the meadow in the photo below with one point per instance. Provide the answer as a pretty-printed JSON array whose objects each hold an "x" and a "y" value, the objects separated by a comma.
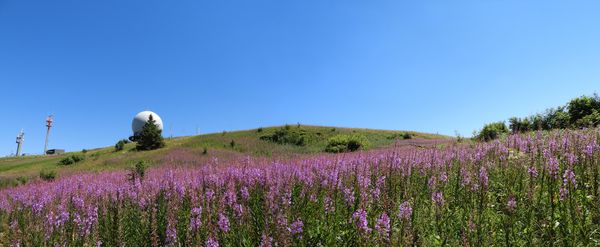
[{"x": 536, "y": 189}]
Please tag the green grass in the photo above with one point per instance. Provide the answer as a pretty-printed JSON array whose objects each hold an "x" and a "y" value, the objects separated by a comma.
[{"x": 189, "y": 150}]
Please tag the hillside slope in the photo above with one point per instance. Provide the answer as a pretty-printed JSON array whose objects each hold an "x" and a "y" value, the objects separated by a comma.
[{"x": 190, "y": 150}]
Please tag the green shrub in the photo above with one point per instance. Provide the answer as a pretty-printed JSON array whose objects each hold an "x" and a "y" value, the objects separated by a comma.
[
  {"x": 232, "y": 144},
  {"x": 48, "y": 175},
  {"x": 69, "y": 160},
  {"x": 84, "y": 151},
  {"x": 492, "y": 131},
  {"x": 259, "y": 130},
  {"x": 205, "y": 151},
  {"x": 286, "y": 135},
  {"x": 138, "y": 171},
  {"x": 346, "y": 143},
  {"x": 401, "y": 136},
  {"x": 22, "y": 179},
  {"x": 121, "y": 145}
]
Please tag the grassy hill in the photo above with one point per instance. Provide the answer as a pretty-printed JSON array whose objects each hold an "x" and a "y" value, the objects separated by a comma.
[{"x": 197, "y": 150}]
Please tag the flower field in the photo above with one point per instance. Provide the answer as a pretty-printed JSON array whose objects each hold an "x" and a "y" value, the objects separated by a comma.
[{"x": 536, "y": 189}]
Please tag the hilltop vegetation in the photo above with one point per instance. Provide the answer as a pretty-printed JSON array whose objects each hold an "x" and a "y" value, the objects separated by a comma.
[{"x": 197, "y": 150}]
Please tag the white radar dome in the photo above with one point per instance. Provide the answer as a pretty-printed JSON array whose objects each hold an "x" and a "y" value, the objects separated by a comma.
[{"x": 141, "y": 118}]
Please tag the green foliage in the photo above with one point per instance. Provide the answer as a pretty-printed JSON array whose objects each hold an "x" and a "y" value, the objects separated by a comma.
[
  {"x": 150, "y": 137},
  {"x": 581, "y": 112},
  {"x": 48, "y": 175},
  {"x": 232, "y": 143},
  {"x": 84, "y": 151},
  {"x": 346, "y": 143},
  {"x": 121, "y": 145},
  {"x": 591, "y": 120},
  {"x": 259, "y": 130},
  {"x": 205, "y": 150},
  {"x": 22, "y": 179},
  {"x": 72, "y": 159},
  {"x": 138, "y": 171},
  {"x": 492, "y": 131},
  {"x": 581, "y": 107},
  {"x": 400, "y": 136},
  {"x": 287, "y": 135}
]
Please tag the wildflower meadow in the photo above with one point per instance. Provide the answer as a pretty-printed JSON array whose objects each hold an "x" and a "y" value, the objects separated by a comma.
[{"x": 536, "y": 189}]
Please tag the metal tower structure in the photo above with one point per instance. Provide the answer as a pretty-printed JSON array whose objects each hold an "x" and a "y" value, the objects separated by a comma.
[
  {"x": 49, "y": 121},
  {"x": 20, "y": 139}
]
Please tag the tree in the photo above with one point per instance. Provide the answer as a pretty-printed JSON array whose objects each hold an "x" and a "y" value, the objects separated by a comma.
[
  {"x": 582, "y": 107},
  {"x": 492, "y": 131},
  {"x": 150, "y": 137}
]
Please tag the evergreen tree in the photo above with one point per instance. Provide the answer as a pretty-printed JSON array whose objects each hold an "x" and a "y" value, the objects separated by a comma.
[{"x": 150, "y": 137}]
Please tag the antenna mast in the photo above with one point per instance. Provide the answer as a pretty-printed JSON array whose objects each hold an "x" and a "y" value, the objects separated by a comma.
[
  {"x": 20, "y": 139},
  {"x": 49, "y": 121}
]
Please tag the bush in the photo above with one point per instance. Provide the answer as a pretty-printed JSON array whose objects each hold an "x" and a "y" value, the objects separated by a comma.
[
  {"x": 205, "y": 151},
  {"x": 138, "y": 171},
  {"x": 286, "y": 135},
  {"x": 48, "y": 175},
  {"x": 84, "y": 150},
  {"x": 259, "y": 130},
  {"x": 492, "y": 131},
  {"x": 121, "y": 145},
  {"x": 403, "y": 136},
  {"x": 22, "y": 179},
  {"x": 150, "y": 137},
  {"x": 75, "y": 158},
  {"x": 591, "y": 120},
  {"x": 346, "y": 143},
  {"x": 232, "y": 144}
]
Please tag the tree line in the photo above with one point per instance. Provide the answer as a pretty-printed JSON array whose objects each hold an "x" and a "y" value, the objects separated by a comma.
[{"x": 580, "y": 112}]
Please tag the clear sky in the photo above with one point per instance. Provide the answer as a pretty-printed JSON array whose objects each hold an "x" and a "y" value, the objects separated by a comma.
[{"x": 431, "y": 66}]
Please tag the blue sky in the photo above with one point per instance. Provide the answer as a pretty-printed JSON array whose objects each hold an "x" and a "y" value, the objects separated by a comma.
[{"x": 431, "y": 66}]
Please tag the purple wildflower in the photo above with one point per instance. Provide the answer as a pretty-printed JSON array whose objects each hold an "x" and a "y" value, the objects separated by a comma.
[
  {"x": 511, "y": 205},
  {"x": 383, "y": 225},
  {"x": 265, "y": 241},
  {"x": 195, "y": 221},
  {"x": 563, "y": 193},
  {"x": 569, "y": 176},
  {"x": 223, "y": 223},
  {"x": 360, "y": 217},
  {"x": 483, "y": 177},
  {"x": 245, "y": 193},
  {"x": 533, "y": 173},
  {"x": 349, "y": 196},
  {"x": 553, "y": 166},
  {"x": 296, "y": 227},
  {"x": 211, "y": 242},
  {"x": 405, "y": 211},
  {"x": 432, "y": 182},
  {"x": 438, "y": 198},
  {"x": 171, "y": 236}
]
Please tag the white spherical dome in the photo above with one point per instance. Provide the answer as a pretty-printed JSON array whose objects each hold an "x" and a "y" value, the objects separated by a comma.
[{"x": 141, "y": 118}]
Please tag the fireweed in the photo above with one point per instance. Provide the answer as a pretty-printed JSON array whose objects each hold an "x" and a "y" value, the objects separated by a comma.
[{"x": 534, "y": 189}]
